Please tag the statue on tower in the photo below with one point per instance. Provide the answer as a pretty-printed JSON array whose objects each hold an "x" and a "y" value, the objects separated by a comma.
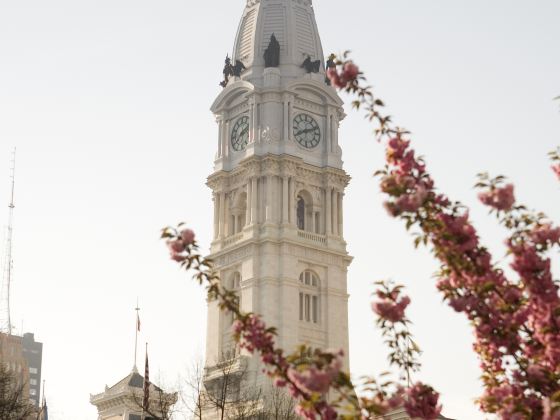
[
  {"x": 272, "y": 53},
  {"x": 330, "y": 64},
  {"x": 311, "y": 66},
  {"x": 231, "y": 70}
]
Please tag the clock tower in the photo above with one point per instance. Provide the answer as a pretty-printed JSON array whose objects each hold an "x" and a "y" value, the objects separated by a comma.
[{"x": 278, "y": 188}]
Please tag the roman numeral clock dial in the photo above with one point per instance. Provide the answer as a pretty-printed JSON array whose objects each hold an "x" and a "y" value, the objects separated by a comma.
[
  {"x": 240, "y": 134},
  {"x": 306, "y": 131}
]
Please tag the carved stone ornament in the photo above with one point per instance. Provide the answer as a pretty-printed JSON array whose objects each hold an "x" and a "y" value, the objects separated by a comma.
[
  {"x": 270, "y": 134},
  {"x": 272, "y": 53}
]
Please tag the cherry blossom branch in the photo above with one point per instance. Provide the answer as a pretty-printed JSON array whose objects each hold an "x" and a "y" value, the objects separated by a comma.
[
  {"x": 498, "y": 308},
  {"x": 390, "y": 308},
  {"x": 309, "y": 378}
]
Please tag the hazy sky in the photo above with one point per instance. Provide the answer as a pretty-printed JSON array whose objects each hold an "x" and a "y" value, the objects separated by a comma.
[{"x": 108, "y": 104}]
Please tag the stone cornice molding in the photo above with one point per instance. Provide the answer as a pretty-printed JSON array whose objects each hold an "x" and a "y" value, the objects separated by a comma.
[
  {"x": 307, "y": 3},
  {"x": 278, "y": 165}
]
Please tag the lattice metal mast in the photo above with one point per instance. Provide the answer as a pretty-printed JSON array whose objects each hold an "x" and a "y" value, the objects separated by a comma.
[{"x": 7, "y": 266}]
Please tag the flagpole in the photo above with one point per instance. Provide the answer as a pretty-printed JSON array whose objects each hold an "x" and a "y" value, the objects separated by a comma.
[
  {"x": 136, "y": 328},
  {"x": 146, "y": 387}
]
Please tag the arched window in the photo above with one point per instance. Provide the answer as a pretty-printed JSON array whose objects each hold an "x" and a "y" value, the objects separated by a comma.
[
  {"x": 309, "y": 302},
  {"x": 238, "y": 216}
]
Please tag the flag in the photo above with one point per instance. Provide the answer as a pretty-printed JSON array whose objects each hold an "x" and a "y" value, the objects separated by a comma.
[
  {"x": 146, "y": 400},
  {"x": 137, "y": 321}
]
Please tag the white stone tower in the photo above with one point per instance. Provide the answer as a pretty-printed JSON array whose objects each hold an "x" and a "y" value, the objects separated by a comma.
[{"x": 278, "y": 187}]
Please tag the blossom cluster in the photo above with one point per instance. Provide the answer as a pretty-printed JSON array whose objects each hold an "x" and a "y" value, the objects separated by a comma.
[
  {"x": 516, "y": 322},
  {"x": 389, "y": 306},
  {"x": 348, "y": 74}
]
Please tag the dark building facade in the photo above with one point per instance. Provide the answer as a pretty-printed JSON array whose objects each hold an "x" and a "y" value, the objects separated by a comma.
[{"x": 33, "y": 354}]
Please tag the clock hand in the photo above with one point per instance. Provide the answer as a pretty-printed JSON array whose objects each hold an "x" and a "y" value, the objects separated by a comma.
[
  {"x": 308, "y": 130},
  {"x": 244, "y": 132}
]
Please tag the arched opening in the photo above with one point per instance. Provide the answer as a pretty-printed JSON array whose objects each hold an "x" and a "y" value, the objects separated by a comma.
[
  {"x": 238, "y": 215},
  {"x": 309, "y": 297},
  {"x": 307, "y": 217}
]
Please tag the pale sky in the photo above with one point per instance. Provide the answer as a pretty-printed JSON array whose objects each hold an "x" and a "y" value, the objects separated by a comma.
[{"x": 108, "y": 104}]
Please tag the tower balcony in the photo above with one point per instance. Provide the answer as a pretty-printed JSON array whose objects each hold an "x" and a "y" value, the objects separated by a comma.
[
  {"x": 276, "y": 232},
  {"x": 312, "y": 237}
]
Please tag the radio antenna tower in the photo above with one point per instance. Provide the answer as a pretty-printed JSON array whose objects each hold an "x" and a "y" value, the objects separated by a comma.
[{"x": 7, "y": 266}]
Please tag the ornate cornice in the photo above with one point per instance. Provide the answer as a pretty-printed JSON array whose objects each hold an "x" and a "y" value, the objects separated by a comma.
[
  {"x": 251, "y": 3},
  {"x": 281, "y": 166}
]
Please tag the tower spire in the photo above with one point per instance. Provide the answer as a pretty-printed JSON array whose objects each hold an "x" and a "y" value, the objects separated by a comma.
[{"x": 7, "y": 265}]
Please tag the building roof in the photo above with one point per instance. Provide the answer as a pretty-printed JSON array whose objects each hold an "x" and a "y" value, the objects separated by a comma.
[
  {"x": 133, "y": 380},
  {"x": 293, "y": 25}
]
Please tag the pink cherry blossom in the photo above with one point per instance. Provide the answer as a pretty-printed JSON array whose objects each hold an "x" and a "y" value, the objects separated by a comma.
[
  {"x": 336, "y": 79},
  {"x": 188, "y": 236},
  {"x": 253, "y": 334},
  {"x": 350, "y": 71},
  {"x": 178, "y": 257},
  {"x": 317, "y": 379},
  {"x": 422, "y": 402},
  {"x": 391, "y": 310},
  {"x": 550, "y": 411},
  {"x": 176, "y": 246},
  {"x": 499, "y": 198},
  {"x": 411, "y": 202},
  {"x": 545, "y": 234},
  {"x": 556, "y": 170}
]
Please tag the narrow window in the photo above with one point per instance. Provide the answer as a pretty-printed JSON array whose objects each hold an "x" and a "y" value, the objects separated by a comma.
[
  {"x": 301, "y": 213},
  {"x": 315, "y": 310},
  {"x": 307, "y": 308},
  {"x": 301, "y": 306}
]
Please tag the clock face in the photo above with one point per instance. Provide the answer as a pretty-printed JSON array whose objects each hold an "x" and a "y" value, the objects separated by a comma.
[
  {"x": 306, "y": 131},
  {"x": 240, "y": 134}
]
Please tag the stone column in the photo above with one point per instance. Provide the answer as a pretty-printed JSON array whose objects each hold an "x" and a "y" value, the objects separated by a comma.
[
  {"x": 328, "y": 215},
  {"x": 290, "y": 119},
  {"x": 269, "y": 197},
  {"x": 248, "y": 203},
  {"x": 286, "y": 133},
  {"x": 216, "y": 215},
  {"x": 340, "y": 213},
  {"x": 285, "y": 199},
  {"x": 220, "y": 137},
  {"x": 254, "y": 195},
  {"x": 225, "y": 139},
  {"x": 227, "y": 219},
  {"x": 328, "y": 131},
  {"x": 255, "y": 118},
  {"x": 335, "y": 212},
  {"x": 292, "y": 201},
  {"x": 221, "y": 214}
]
